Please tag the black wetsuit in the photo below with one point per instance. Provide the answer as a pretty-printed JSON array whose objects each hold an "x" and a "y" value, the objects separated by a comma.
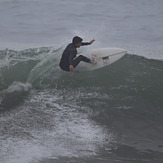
[{"x": 68, "y": 57}]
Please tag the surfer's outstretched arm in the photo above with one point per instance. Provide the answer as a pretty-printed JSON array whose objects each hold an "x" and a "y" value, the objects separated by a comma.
[{"x": 87, "y": 43}]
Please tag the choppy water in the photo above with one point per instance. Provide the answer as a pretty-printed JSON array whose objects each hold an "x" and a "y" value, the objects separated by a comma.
[{"x": 112, "y": 114}]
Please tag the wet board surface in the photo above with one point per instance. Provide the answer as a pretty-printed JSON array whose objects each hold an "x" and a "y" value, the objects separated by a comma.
[{"x": 101, "y": 57}]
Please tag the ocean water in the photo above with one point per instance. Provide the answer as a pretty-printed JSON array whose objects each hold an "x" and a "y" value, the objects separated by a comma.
[{"x": 111, "y": 115}]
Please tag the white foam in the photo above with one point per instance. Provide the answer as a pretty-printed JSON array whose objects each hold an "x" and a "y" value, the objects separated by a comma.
[
  {"x": 50, "y": 127},
  {"x": 18, "y": 86}
]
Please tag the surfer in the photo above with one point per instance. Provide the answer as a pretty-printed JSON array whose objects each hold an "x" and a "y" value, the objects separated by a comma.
[{"x": 69, "y": 60}]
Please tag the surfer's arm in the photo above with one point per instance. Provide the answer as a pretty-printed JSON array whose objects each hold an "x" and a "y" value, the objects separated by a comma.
[
  {"x": 87, "y": 43},
  {"x": 71, "y": 57}
]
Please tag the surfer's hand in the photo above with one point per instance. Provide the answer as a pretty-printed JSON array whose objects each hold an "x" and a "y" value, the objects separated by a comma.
[
  {"x": 71, "y": 67},
  {"x": 91, "y": 41}
]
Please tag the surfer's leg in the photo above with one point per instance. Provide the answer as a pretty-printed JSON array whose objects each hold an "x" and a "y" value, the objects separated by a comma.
[{"x": 77, "y": 60}]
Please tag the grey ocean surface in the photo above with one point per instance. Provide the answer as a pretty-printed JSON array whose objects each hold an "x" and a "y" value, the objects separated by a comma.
[{"x": 111, "y": 115}]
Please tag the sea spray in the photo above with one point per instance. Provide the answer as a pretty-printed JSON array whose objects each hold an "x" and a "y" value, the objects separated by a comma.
[{"x": 14, "y": 94}]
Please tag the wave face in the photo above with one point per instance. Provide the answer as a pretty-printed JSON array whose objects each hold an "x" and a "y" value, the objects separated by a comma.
[{"x": 107, "y": 114}]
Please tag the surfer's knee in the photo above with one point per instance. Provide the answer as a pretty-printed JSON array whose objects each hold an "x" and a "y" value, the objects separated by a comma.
[{"x": 81, "y": 57}]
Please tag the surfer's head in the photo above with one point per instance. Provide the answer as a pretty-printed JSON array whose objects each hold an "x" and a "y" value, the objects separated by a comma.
[{"x": 77, "y": 41}]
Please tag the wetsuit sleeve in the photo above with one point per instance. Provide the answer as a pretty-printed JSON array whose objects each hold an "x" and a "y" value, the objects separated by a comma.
[
  {"x": 72, "y": 56},
  {"x": 85, "y": 43}
]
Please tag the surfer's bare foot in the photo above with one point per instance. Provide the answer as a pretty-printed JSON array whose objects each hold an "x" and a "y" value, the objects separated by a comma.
[{"x": 93, "y": 60}]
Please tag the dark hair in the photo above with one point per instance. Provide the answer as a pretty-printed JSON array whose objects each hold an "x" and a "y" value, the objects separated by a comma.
[{"x": 76, "y": 40}]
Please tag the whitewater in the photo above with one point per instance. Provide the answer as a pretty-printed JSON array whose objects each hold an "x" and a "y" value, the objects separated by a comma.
[{"x": 113, "y": 114}]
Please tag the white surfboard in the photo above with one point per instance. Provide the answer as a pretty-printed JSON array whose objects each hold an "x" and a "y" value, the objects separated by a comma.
[{"x": 101, "y": 57}]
